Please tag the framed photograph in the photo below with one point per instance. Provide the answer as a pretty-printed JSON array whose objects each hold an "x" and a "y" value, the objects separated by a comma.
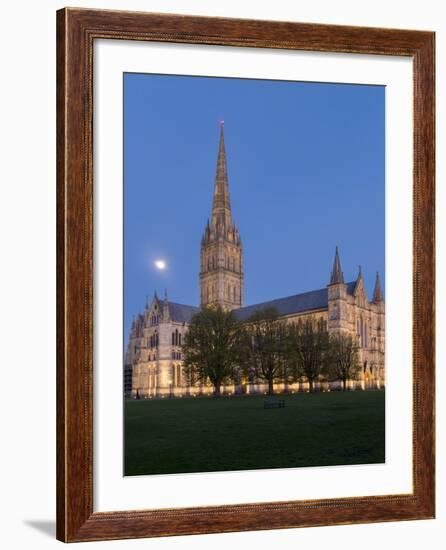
[{"x": 245, "y": 275}]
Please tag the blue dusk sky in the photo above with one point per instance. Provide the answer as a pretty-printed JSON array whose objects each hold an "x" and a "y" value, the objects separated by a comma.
[{"x": 306, "y": 173}]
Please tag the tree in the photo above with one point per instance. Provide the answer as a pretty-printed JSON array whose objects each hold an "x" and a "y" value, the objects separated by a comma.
[
  {"x": 265, "y": 337},
  {"x": 343, "y": 361},
  {"x": 308, "y": 344},
  {"x": 212, "y": 348}
]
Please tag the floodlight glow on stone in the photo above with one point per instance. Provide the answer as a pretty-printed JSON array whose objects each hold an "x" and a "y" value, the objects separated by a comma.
[{"x": 160, "y": 264}]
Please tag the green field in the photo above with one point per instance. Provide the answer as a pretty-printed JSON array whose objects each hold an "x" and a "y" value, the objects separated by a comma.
[{"x": 237, "y": 433}]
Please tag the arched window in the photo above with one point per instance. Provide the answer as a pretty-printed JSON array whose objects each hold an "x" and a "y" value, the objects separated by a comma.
[
  {"x": 361, "y": 324},
  {"x": 179, "y": 339},
  {"x": 233, "y": 292}
]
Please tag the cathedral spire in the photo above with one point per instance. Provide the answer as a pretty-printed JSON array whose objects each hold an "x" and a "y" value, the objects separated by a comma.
[
  {"x": 336, "y": 275},
  {"x": 221, "y": 207},
  {"x": 221, "y": 255},
  {"x": 377, "y": 293}
]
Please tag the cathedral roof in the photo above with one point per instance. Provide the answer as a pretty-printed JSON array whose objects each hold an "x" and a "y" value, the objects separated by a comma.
[
  {"x": 351, "y": 287},
  {"x": 299, "y": 303},
  {"x": 182, "y": 313}
]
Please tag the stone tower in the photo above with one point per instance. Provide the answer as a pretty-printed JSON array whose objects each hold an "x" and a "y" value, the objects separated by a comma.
[
  {"x": 221, "y": 269},
  {"x": 337, "y": 298}
]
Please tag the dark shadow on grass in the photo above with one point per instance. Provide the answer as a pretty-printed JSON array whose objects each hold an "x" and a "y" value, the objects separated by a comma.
[{"x": 45, "y": 526}]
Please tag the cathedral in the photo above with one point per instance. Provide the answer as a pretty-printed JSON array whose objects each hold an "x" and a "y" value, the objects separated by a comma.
[{"x": 153, "y": 361}]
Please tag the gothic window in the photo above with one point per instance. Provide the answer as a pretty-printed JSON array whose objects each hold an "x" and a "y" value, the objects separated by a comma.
[
  {"x": 361, "y": 324},
  {"x": 179, "y": 339},
  {"x": 233, "y": 294}
]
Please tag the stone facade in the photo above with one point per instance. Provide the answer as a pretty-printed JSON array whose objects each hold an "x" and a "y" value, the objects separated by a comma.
[{"x": 153, "y": 361}]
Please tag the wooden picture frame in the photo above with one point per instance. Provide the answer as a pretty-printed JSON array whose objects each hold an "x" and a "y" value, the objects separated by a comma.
[{"x": 76, "y": 31}]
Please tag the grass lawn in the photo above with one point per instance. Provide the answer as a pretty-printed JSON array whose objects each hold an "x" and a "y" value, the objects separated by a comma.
[{"x": 237, "y": 433}]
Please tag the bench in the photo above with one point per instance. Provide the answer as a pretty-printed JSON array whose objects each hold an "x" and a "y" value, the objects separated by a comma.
[{"x": 273, "y": 403}]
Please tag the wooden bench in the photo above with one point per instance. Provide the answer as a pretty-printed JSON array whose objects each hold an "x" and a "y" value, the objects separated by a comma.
[{"x": 273, "y": 403}]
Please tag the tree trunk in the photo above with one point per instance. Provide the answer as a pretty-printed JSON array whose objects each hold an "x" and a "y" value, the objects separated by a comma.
[
  {"x": 344, "y": 384},
  {"x": 217, "y": 390},
  {"x": 270, "y": 386},
  {"x": 311, "y": 383}
]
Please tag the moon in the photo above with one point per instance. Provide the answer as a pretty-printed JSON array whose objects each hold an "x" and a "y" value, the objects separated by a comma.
[{"x": 160, "y": 264}]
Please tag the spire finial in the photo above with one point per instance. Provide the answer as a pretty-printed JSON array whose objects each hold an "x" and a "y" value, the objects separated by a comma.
[
  {"x": 221, "y": 207},
  {"x": 166, "y": 312},
  {"x": 336, "y": 275},
  {"x": 377, "y": 293}
]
